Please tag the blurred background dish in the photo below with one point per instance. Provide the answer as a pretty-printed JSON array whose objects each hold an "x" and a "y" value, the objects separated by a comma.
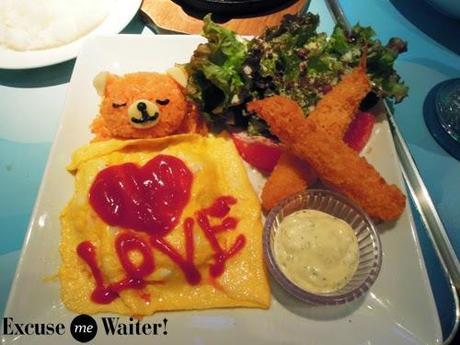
[
  {"x": 36, "y": 25},
  {"x": 235, "y": 7},
  {"x": 450, "y": 8},
  {"x": 187, "y": 19},
  {"x": 441, "y": 111},
  {"x": 448, "y": 107},
  {"x": 118, "y": 17}
]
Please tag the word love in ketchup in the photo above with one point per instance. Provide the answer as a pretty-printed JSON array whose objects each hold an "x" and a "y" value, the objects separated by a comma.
[
  {"x": 150, "y": 198},
  {"x": 124, "y": 243},
  {"x": 170, "y": 180}
]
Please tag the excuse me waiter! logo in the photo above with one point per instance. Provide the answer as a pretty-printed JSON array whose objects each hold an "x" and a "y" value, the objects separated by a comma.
[{"x": 83, "y": 328}]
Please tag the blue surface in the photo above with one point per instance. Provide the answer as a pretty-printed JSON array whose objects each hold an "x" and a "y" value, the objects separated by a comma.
[
  {"x": 441, "y": 290},
  {"x": 21, "y": 170},
  {"x": 8, "y": 264}
]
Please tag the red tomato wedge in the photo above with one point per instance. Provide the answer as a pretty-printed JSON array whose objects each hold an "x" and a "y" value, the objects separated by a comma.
[
  {"x": 260, "y": 152},
  {"x": 263, "y": 153},
  {"x": 359, "y": 131}
]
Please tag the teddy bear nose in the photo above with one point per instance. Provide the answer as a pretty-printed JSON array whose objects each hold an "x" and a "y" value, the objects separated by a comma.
[{"x": 143, "y": 113}]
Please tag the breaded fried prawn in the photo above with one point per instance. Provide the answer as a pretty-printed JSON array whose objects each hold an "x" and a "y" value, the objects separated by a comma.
[
  {"x": 333, "y": 113},
  {"x": 291, "y": 175},
  {"x": 336, "y": 164}
]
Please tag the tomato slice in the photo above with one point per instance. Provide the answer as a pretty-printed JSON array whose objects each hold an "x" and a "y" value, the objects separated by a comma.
[
  {"x": 359, "y": 131},
  {"x": 260, "y": 152},
  {"x": 263, "y": 153}
]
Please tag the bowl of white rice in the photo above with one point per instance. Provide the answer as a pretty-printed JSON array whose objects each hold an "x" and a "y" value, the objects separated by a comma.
[{"x": 33, "y": 25}]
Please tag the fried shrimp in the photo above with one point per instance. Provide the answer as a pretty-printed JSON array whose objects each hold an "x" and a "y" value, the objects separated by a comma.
[
  {"x": 333, "y": 113},
  {"x": 290, "y": 175},
  {"x": 336, "y": 164}
]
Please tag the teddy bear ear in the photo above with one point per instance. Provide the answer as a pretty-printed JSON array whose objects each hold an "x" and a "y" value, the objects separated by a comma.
[
  {"x": 179, "y": 74},
  {"x": 100, "y": 80}
]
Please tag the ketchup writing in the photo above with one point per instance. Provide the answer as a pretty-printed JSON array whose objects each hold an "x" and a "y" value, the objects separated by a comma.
[
  {"x": 105, "y": 294},
  {"x": 220, "y": 208},
  {"x": 151, "y": 199}
]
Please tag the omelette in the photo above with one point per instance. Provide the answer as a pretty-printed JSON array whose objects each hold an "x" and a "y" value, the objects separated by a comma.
[{"x": 161, "y": 224}]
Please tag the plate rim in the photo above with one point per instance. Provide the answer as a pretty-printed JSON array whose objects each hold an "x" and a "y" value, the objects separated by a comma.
[{"x": 54, "y": 148}]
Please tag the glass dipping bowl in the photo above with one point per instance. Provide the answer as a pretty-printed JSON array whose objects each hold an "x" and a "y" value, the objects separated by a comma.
[
  {"x": 370, "y": 249},
  {"x": 448, "y": 107}
]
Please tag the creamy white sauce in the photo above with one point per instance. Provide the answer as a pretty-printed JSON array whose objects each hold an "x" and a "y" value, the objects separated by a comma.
[{"x": 317, "y": 251}]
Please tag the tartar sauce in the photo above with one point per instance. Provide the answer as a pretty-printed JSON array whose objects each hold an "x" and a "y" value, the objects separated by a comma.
[{"x": 317, "y": 251}]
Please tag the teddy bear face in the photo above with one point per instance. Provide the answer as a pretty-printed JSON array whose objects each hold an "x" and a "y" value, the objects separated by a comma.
[{"x": 142, "y": 105}]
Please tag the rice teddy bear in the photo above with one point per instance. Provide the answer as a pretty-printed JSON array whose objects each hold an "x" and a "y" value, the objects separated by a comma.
[{"x": 143, "y": 105}]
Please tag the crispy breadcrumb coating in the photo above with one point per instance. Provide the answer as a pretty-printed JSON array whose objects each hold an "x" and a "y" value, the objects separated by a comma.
[
  {"x": 333, "y": 113},
  {"x": 337, "y": 165},
  {"x": 290, "y": 175}
]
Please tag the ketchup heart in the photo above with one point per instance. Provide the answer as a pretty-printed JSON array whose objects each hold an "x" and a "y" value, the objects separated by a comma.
[{"x": 150, "y": 198}]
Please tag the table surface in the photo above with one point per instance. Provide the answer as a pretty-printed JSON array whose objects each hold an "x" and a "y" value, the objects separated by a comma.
[{"x": 31, "y": 102}]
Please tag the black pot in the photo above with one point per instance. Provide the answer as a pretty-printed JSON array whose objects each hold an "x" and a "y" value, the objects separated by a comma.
[{"x": 234, "y": 7}]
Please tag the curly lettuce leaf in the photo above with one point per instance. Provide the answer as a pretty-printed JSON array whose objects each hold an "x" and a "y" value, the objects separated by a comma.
[
  {"x": 292, "y": 59},
  {"x": 279, "y": 45},
  {"x": 216, "y": 81},
  {"x": 380, "y": 59}
]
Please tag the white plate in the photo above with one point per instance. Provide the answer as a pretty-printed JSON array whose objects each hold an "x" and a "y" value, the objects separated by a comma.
[
  {"x": 398, "y": 310},
  {"x": 119, "y": 16}
]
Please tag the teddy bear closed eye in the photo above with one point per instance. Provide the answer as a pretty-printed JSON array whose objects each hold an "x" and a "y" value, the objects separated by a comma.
[{"x": 143, "y": 105}]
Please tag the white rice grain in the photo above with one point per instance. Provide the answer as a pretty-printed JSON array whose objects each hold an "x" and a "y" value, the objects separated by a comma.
[{"x": 42, "y": 24}]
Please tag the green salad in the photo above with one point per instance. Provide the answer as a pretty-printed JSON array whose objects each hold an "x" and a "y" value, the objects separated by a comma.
[{"x": 292, "y": 59}]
